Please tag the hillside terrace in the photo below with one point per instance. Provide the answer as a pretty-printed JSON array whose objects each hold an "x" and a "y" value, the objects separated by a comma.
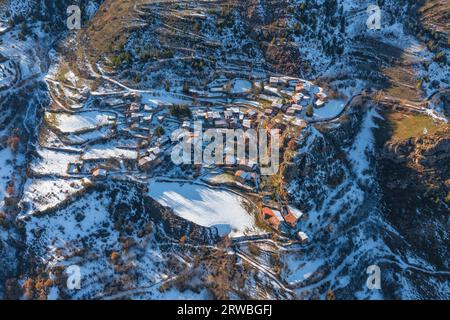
[
  {"x": 112, "y": 120},
  {"x": 115, "y": 131}
]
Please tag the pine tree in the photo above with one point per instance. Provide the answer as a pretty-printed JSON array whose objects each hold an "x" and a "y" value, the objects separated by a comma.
[{"x": 186, "y": 89}]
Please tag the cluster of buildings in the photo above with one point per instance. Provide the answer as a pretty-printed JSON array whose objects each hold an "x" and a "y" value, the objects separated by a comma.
[
  {"x": 225, "y": 118},
  {"x": 303, "y": 94},
  {"x": 139, "y": 117},
  {"x": 139, "y": 121},
  {"x": 275, "y": 218},
  {"x": 153, "y": 155}
]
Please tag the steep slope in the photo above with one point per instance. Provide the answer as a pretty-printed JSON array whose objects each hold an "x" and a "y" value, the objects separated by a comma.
[{"x": 374, "y": 192}]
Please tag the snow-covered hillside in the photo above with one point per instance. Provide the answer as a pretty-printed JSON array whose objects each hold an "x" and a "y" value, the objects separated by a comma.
[{"x": 87, "y": 181}]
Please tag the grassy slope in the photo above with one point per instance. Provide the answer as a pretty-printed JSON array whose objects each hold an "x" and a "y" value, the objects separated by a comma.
[{"x": 405, "y": 126}]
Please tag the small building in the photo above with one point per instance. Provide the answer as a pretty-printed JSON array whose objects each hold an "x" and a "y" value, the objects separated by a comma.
[
  {"x": 274, "y": 80},
  {"x": 155, "y": 151},
  {"x": 186, "y": 125},
  {"x": 269, "y": 216},
  {"x": 228, "y": 114},
  {"x": 214, "y": 115},
  {"x": 247, "y": 123},
  {"x": 134, "y": 107},
  {"x": 220, "y": 123},
  {"x": 148, "y": 108},
  {"x": 291, "y": 111},
  {"x": 300, "y": 123},
  {"x": 244, "y": 177},
  {"x": 199, "y": 114},
  {"x": 322, "y": 96},
  {"x": 302, "y": 237},
  {"x": 277, "y": 105},
  {"x": 136, "y": 116},
  {"x": 146, "y": 162},
  {"x": 289, "y": 217},
  {"x": 210, "y": 115},
  {"x": 162, "y": 141},
  {"x": 279, "y": 80},
  {"x": 252, "y": 114},
  {"x": 299, "y": 87},
  {"x": 235, "y": 110},
  {"x": 75, "y": 168},
  {"x": 268, "y": 112},
  {"x": 297, "y": 107},
  {"x": 132, "y": 95},
  {"x": 147, "y": 118},
  {"x": 319, "y": 103},
  {"x": 99, "y": 173}
]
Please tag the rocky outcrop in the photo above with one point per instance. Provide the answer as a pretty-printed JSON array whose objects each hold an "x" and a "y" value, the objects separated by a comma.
[
  {"x": 434, "y": 150},
  {"x": 412, "y": 176},
  {"x": 423, "y": 152}
]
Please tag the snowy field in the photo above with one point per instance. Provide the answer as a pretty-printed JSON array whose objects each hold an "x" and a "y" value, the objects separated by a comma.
[
  {"x": 53, "y": 162},
  {"x": 47, "y": 193},
  {"x": 299, "y": 271},
  {"x": 109, "y": 152},
  {"x": 205, "y": 206},
  {"x": 241, "y": 86},
  {"x": 161, "y": 97},
  {"x": 68, "y": 123},
  {"x": 363, "y": 144},
  {"x": 331, "y": 110}
]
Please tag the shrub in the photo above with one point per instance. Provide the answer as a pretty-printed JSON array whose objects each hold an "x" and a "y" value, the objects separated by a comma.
[
  {"x": 124, "y": 57},
  {"x": 431, "y": 45},
  {"x": 440, "y": 57},
  {"x": 115, "y": 257},
  {"x": 180, "y": 111},
  {"x": 167, "y": 86},
  {"x": 292, "y": 145},
  {"x": 3, "y": 220},
  {"x": 331, "y": 295},
  {"x": 186, "y": 88},
  {"x": 23, "y": 31},
  {"x": 419, "y": 84},
  {"x": 159, "y": 131},
  {"x": 310, "y": 111}
]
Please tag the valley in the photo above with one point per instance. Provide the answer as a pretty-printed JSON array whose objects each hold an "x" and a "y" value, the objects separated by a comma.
[{"x": 91, "y": 120}]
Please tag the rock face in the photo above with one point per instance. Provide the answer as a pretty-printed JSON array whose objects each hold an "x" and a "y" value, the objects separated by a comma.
[
  {"x": 412, "y": 177},
  {"x": 430, "y": 151},
  {"x": 367, "y": 202},
  {"x": 434, "y": 151},
  {"x": 379, "y": 203}
]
